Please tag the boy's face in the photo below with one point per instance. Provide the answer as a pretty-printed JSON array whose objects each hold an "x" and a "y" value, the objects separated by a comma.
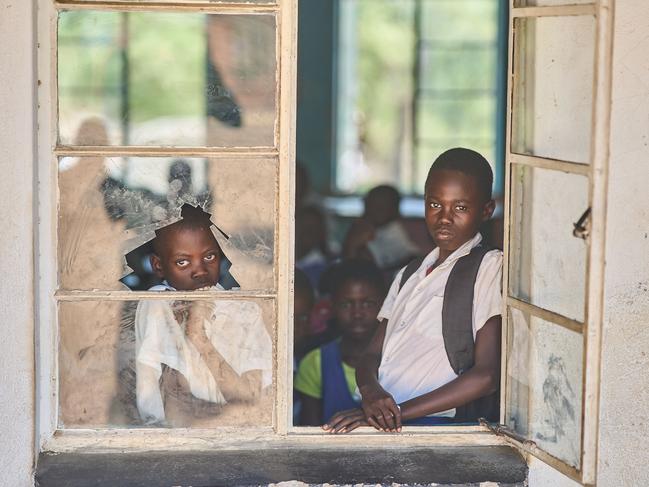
[
  {"x": 455, "y": 208},
  {"x": 356, "y": 304},
  {"x": 188, "y": 258}
]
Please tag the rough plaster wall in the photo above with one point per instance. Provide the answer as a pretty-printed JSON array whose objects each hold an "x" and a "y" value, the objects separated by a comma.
[
  {"x": 624, "y": 413},
  {"x": 16, "y": 161},
  {"x": 542, "y": 475}
]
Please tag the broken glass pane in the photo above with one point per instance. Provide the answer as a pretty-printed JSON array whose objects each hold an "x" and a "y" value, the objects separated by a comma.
[
  {"x": 166, "y": 363},
  {"x": 164, "y": 78},
  {"x": 544, "y": 385},
  {"x": 110, "y": 209}
]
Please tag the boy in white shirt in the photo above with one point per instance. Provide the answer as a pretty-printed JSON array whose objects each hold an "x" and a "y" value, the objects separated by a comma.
[
  {"x": 406, "y": 374},
  {"x": 194, "y": 357}
]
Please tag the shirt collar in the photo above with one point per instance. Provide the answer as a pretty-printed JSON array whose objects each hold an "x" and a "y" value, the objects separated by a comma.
[
  {"x": 463, "y": 250},
  {"x": 217, "y": 287}
]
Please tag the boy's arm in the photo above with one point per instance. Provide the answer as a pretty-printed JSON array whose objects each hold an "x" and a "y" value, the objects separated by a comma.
[
  {"x": 378, "y": 407},
  {"x": 482, "y": 379},
  {"x": 381, "y": 410},
  {"x": 244, "y": 387}
]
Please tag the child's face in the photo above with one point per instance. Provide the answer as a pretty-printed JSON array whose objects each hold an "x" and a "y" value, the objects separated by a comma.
[
  {"x": 356, "y": 304},
  {"x": 302, "y": 306},
  {"x": 455, "y": 208},
  {"x": 189, "y": 258}
]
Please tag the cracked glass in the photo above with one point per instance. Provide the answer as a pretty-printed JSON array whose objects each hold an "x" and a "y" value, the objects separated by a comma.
[
  {"x": 544, "y": 385},
  {"x": 110, "y": 209},
  {"x": 166, "y": 363}
]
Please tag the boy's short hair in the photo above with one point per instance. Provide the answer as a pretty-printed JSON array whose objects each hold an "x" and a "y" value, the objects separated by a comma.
[
  {"x": 353, "y": 270},
  {"x": 467, "y": 162}
]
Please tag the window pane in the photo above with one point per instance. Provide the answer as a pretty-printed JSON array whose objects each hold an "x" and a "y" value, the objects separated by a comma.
[
  {"x": 130, "y": 364},
  {"x": 458, "y": 67},
  {"x": 456, "y": 119},
  {"x": 460, "y": 21},
  {"x": 110, "y": 208},
  {"x": 553, "y": 87},
  {"x": 548, "y": 264},
  {"x": 544, "y": 385},
  {"x": 160, "y": 78}
]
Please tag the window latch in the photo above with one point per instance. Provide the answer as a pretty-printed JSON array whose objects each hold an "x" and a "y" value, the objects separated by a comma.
[{"x": 582, "y": 227}]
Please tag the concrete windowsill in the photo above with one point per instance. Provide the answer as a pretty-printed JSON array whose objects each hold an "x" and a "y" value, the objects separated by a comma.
[{"x": 438, "y": 464}]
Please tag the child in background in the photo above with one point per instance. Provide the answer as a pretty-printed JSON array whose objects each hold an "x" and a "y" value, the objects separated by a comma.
[
  {"x": 195, "y": 357},
  {"x": 406, "y": 373},
  {"x": 379, "y": 235},
  {"x": 325, "y": 380}
]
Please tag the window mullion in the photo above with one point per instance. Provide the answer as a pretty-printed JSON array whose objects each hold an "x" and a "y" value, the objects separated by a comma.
[
  {"x": 129, "y": 5},
  {"x": 555, "y": 11},
  {"x": 153, "y": 151},
  {"x": 552, "y": 164},
  {"x": 595, "y": 278},
  {"x": 546, "y": 315},
  {"x": 157, "y": 295}
]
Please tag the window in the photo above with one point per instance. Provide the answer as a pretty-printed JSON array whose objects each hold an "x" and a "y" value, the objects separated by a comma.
[
  {"x": 556, "y": 169},
  {"x": 156, "y": 106},
  {"x": 113, "y": 132},
  {"x": 414, "y": 78}
]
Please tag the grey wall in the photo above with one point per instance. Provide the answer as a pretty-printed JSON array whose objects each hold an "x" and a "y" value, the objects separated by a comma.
[{"x": 16, "y": 259}]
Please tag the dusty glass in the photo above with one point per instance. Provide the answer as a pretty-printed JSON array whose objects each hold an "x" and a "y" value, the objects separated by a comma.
[
  {"x": 110, "y": 209},
  {"x": 166, "y": 363},
  {"x": 548, "y": 263},
  {"x": 165, "y": 78},
  {"x": 553, "y": 87},
  {"x": 544, "y": 385}
]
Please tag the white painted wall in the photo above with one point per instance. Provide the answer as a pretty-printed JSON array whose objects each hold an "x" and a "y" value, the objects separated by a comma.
[
  {"x": 16, "y": 259},
  {"x": 624, "y": 409}
]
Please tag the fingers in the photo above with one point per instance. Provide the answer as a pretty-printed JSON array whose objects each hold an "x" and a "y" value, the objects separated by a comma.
[
  {"x": 385, "y": 414},
  {"x": 345, "y": 421}
]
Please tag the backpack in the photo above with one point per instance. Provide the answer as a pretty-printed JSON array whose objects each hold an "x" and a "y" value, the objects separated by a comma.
[{"x": 457, "y": 327}]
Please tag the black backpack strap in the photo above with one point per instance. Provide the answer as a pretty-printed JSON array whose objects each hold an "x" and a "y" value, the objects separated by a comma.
[
  {"x": 457, "y": 310},
  {"x": 457, "y": 328},
  {"x": 410, "y": 269}
]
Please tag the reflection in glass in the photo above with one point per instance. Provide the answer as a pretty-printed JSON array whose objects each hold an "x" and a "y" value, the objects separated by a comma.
[
  {"x": 110, "y": 208},
  {"x": 548, "y": 264},
  {"x": 165, "y": 363},
  {"x": 160, "y": 78},
  {"x": 544, "y": 385},
  {"x": 553, "y": 87}
]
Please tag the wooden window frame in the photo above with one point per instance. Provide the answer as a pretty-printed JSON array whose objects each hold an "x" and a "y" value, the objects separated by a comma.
[
  {"x": 597, "y": 173},
  {"x": 282, "y": 432}
]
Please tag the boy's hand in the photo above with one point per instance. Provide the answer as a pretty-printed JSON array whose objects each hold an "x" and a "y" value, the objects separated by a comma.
[
  {"x": 345, "y": 421},
  {"x": 380, "y": 408}
]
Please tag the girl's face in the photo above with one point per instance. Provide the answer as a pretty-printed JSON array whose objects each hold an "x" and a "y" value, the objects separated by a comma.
[
  {"x": 356, "y": 305},
  {"x": 189, "y": 258}
]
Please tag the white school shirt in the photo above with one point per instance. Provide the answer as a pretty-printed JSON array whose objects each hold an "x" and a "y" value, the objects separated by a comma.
[
  {"x": 414, "y": 359},
  {"x": 235, "y": 329}
]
